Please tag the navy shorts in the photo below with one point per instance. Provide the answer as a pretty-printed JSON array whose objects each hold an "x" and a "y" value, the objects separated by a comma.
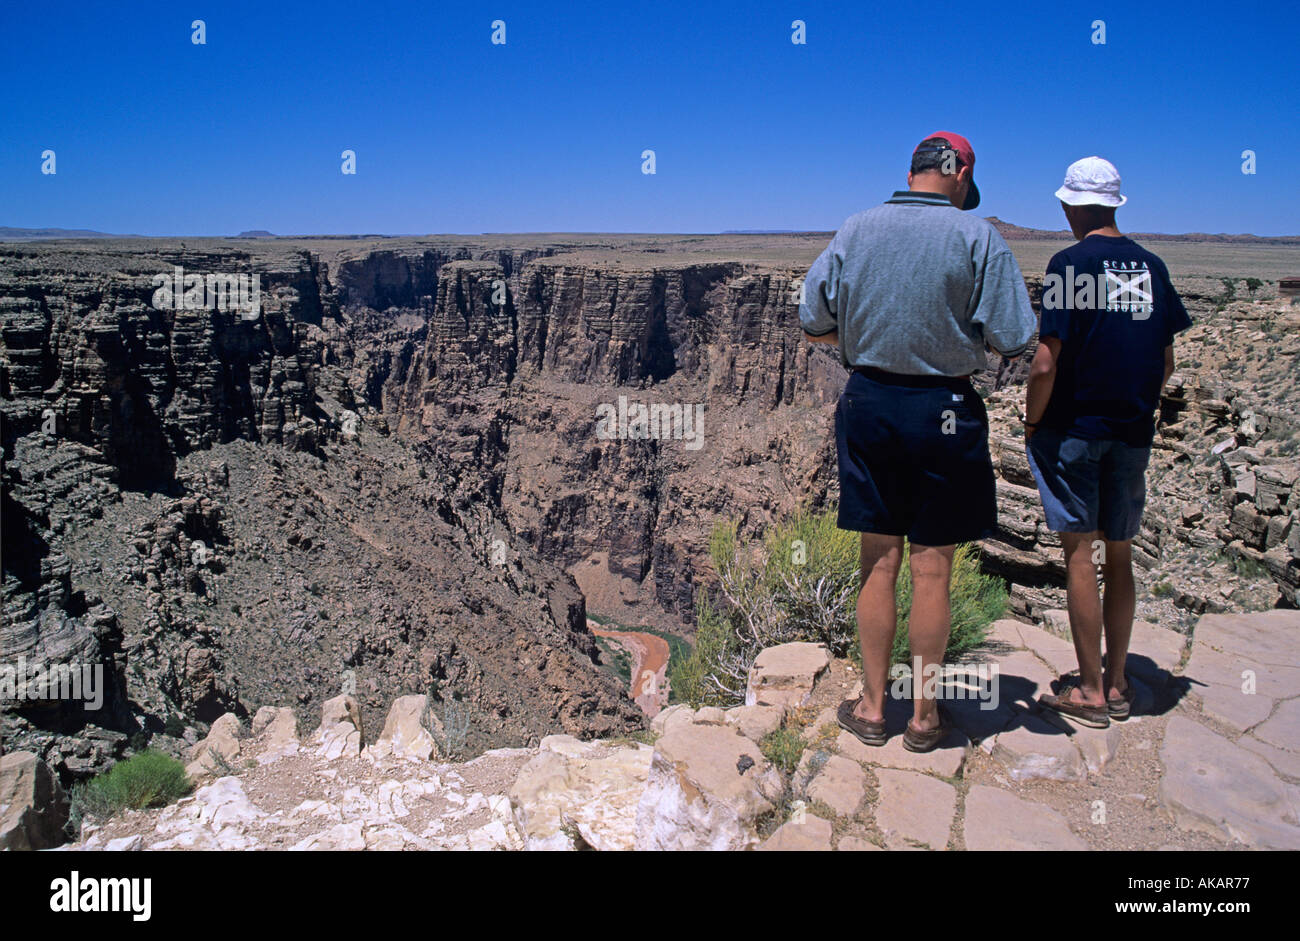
[
  {"x": 914, "y": 459},
  {"x": 1089, "y": 485}
]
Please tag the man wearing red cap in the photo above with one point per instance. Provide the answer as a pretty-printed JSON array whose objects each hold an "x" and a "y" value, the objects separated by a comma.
[{"x": 913, "y": 291}]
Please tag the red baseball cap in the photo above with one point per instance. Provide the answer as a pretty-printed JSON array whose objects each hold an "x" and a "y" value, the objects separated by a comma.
[{"x": 965, "y": 157}]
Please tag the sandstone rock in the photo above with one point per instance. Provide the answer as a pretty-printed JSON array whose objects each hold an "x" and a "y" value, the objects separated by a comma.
[
  {"x": 1038, "y": 750},
  {"x": 587, "y": 787},
  {"x": 678, "y": 712},
  {"x": 855, "y": 844},
  {"x": 810, "y": 834},
  {"x": 999, "y": 820},
  {"x": 33, "y": 807},
  {"x": 914, "y": 811},
  {"x": 1098, "y": 746},
  {"x": 754, "y": 722},
  {"x": 707, "y": 787},
  {"x": 1216, "y": 787},
  {"x": 222, "y": 742},
  {"x": 404, "y": 734},
  {"x": 1241, "y": 664},
  {"x": 1056, "y": 652},
  {"x": 224, "y": 803},
  {"x": 785, "y": 675},
  {"x": 710, "y": 715},
  {"x": 340, "y": 837},
  {"x": 275, "y": 726},
  {"x": 276, "y": 730},
  {"x": 340, "y": 733},
  {"x": 125, "y": 844},
  {"x": 839, "y": 784}
]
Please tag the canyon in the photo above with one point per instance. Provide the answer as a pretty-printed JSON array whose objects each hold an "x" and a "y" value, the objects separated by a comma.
[{"x": 390, "y": 481}]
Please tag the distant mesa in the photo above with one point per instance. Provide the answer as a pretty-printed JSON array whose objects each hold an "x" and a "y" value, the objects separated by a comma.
[{"x": 256, "y": 234}]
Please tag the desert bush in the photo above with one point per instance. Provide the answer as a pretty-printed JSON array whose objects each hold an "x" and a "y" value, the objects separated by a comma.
[
  {"x": 801, "y": 584},
  {"x": 783, "y": 747},
  {"x": 149, "y": 779}
]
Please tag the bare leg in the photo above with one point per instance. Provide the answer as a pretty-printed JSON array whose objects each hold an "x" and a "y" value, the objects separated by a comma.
[
  {"x": 877, "y": 619},
  {"x": 1120, "y": 601},
  {"x": 1084, "y": 604},
  {"x": 928, "y": 624}
]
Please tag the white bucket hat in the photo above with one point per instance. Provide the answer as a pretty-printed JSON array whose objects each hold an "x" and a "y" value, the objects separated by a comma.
[{"x": 1091, "y": 181}]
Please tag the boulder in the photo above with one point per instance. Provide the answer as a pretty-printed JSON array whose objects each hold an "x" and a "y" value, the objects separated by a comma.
[
  {"x": 404, "y": 734},
  {"x": 33, "y": 807},
  {"x": 222, "y": 743},
  {"x": 785, "y": 675},
  {"x": 340, "y": 733},
  {"x": 588, "y": 788},
  {"x": 276, "y": 731},
  {"x": 707, "y": 787}
]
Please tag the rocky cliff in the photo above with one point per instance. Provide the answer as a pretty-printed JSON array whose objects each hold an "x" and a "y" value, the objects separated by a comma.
[{"x": 393, "y": 480}]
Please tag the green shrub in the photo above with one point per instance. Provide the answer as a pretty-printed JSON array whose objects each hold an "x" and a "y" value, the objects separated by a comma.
[
  {"x": 784, "y": 748},
  {"x": 149, "y": 779},
  {"x": 802, "y": 585}
]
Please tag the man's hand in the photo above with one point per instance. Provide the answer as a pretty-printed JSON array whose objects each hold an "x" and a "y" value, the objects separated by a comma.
[{"x": 832, "y": 337}]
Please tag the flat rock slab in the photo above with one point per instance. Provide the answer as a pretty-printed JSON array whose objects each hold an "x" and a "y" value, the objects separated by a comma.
[
  {"x": 809, "y": 834},
  {"x": 1056, "y": 652},
  {"x": 785, "y": 675},
  {"x": 1219, "y": 788},
  {"x": 856, "y": 844},
  {"x": 754, "y": 722},
  {"x": 1163, "y": 647},
  {"x": 840, "y": 784},
  {"x": 1241, "y": 664},
  {"x": 1039, "y": 750},
  {"x": 999, "y": 820},
  {"x": 915, "y": 811}
]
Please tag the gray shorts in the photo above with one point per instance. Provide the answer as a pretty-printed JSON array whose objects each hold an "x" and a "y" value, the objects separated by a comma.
[{"x": 1088, "y": 485}]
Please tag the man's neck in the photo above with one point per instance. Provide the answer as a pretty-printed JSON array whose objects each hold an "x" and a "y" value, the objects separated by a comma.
[{"x": 1109, "y": 231}]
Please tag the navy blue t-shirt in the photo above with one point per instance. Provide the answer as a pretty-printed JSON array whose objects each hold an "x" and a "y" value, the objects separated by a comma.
[{"x": 1114, "y": 309}]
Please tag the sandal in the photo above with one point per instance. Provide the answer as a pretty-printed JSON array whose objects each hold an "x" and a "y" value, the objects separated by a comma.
[
  {"x": 1093, "y": 717},
  {"x": 868, "y": 733},
  {"x": 927, "y": 741}
]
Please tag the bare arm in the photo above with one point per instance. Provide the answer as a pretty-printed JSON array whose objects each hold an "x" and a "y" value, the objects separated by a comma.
[
  {"x": 832, "y": 337},
  {"x": 1169, "y": 366},
  {"x": 1042, "y": 376}
]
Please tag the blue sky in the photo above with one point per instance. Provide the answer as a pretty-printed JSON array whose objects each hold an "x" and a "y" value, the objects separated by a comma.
[{"x": 155, "y": 135}]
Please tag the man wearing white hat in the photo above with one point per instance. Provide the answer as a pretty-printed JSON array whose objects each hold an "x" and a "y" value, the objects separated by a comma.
[{"x": 1109, "y": 316}]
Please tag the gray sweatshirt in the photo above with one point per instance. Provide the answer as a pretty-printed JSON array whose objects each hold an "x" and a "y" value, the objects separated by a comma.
[{"x": 916, "y": 286}]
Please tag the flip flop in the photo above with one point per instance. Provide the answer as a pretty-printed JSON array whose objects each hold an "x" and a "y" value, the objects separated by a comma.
[{"x": 868, "y": 733}]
